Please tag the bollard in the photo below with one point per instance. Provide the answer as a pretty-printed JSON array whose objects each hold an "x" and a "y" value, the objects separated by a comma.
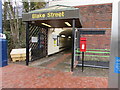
[{"x": 4, "y": 58}]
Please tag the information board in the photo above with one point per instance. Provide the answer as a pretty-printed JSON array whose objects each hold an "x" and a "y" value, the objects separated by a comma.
[
  {"x": 117, "y": 65},
  {"x": 34, "y": 39}
]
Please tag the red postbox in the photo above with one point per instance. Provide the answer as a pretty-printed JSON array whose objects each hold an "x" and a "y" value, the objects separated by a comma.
[{"x": 83, "y": 44}]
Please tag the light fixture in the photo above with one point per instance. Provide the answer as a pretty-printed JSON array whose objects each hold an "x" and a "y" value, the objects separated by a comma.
[
  {"x": 76, "y": 30},
  {"x": 69, "y": 37},
  {"x": 67, "y": 23},
  {"x": 62, "y": 35},
  {"x": 46, "y": 24}
]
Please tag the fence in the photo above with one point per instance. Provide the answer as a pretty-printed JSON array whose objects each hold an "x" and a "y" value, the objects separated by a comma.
[{"x": 98, "y": 46}]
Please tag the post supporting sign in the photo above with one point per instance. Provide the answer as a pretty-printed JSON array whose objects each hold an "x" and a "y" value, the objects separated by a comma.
[{"x": 83, "y": 49}]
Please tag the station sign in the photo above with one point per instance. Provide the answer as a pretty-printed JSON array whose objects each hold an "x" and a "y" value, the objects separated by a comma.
[
  {"x": 48, "y": 15},
  {"x": 68, "y": 14}
]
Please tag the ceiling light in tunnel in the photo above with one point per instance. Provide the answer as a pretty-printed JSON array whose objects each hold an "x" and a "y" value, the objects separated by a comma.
[
  {"x": 76, "y": 30},
  {"x": 46, "y": 24},
  {"x": 62, "y": 35},
  {"x": 67, "y": 23},
  {"x": 69, "y": 37}
]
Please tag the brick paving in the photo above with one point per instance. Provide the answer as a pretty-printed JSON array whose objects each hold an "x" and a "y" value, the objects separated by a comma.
[
  {"x": 20, "y": 76},
  {"x": 58, "y": 60}
]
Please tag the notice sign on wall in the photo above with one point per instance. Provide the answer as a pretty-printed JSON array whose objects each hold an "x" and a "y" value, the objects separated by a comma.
[
  {"x": 117, "y": 65},
  {"x": 34, "y": 39},
  {"x": 55, "y": 42}
]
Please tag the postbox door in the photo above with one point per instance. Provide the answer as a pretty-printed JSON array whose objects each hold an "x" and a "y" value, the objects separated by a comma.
[{"x": 83, "y": 44}]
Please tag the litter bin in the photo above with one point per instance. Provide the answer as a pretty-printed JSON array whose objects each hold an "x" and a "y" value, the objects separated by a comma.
[{"x": 3, "y": 48}]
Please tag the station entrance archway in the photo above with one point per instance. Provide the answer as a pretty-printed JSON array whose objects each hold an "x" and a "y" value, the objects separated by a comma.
[{"x": 38, "y": 23}]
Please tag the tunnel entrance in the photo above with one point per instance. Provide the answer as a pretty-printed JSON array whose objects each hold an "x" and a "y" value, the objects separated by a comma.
[{"x": 65, "y": 40}]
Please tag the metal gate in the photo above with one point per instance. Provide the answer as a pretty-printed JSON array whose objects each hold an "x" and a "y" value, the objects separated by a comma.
[
  {"x": 98, "y": 47},
  {"x": 37, "y": 42}
]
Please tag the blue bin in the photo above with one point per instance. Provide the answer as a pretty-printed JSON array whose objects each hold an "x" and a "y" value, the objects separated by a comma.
[{"x": 3, "y": 56}]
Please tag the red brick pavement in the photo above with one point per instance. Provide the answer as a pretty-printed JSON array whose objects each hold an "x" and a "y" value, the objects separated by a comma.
[
  {"x": 19, "y": 76},
  {"x": 58, "y": 60}
]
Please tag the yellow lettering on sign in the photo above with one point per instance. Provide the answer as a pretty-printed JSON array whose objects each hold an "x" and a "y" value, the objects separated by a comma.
[
  {"x": 48, "y": 14},
  {"x": 38, "y": 16},
  {"x": 60, "y": 14},
  {"x": 57, "y": 14}
]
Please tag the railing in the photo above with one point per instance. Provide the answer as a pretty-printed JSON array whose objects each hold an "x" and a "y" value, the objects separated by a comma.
[{"x": 106, "y": 52}]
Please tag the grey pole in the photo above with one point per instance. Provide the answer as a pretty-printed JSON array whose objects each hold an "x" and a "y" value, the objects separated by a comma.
[
  {"x": 75, "y": 33},
  {"x": 73, "y": 39},
  {"x": 78, "y": 43},
  {"x": 114, "y": 71}
]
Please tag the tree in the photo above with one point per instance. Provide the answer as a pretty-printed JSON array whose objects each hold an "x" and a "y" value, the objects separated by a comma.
[
  {"x": 5, "y": 16},
  {"x": 28, "y": 6},
  {"x": 15, "y": 25}
]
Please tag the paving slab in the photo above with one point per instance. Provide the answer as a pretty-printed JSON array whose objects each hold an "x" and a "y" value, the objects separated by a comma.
[{"x": 21, "y": 76}]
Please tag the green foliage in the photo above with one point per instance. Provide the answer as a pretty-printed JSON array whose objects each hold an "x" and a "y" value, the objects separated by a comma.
[
  {"x": 38, "y": 5},
  {"x": 8, "y": 37},
  {"x": 9, "y": 40},
  {"x": 26, "y": 6},
  {"x": 33, "y": 6},
  {"x": 14, "y": 28}
]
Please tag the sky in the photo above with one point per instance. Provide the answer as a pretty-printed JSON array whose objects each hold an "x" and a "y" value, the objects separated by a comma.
[
  {"x": 26, "y": 0},
  {"x": 19, "y": 2},
  {"x": 61, "y": 1}
]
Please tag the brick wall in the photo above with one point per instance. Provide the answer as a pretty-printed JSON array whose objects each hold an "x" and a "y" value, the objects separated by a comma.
[
  {"x": 97, "y": 16},
  {"x": 99, "y": 41}
]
